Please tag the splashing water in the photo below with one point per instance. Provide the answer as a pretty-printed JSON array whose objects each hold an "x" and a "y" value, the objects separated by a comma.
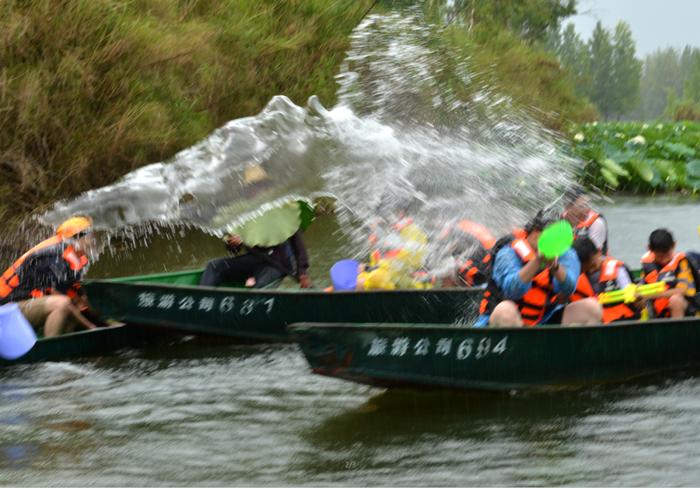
[{"x": 399, "y": 137}]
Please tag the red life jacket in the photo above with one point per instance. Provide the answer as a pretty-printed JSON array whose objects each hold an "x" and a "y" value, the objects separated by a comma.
[
  {"x": 9, "y": 281},
  {"x": 582, "y": 229},
  {"x": 653, "y": 273},
  {"x": 606, "y": 282},
  {"x": 533, "y": 304}
]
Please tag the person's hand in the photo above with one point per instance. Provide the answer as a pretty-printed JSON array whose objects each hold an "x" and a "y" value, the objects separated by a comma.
[
  {"x": 250, "y": 282},
  {"x": 233, "y": 240},
  {"x": 304, "y": 281}
]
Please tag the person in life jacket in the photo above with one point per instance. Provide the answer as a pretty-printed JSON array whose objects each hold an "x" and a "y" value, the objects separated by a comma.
[
  {"x": 585, "y": 221},
  {"x": 662, "y": 263},
  {"x": 523, "y": 285},
  {"x": 45, "y": 281},
  {"x": 397, "y": 241},
  {"x": 601, "y": 274},
  {"x": 468, "y": 244}
]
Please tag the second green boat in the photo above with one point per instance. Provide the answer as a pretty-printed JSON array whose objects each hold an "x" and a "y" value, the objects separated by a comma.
[{"x": 174, "y": 301}]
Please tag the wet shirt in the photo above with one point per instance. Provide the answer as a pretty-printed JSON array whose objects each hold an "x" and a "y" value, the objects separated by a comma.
[
  {"x": 291, "y": 254},
  {"x": 44, "y": 270}
]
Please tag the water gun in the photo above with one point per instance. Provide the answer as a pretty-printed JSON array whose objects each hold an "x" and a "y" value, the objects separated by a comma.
[{"x": 629, "y": 293}]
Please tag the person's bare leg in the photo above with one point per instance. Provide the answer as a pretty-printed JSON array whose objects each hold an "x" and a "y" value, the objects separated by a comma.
[
  {"x": 677, "y": 305},
  {"x": 583, "y": 312},
  {"x": 506, "y": 314},
  {"x": 61, "y": 312}
]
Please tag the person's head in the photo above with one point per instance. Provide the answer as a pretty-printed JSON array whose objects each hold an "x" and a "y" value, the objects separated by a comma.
[
  {"x": 590, "y": 256},
  {"x": 662, "y": 245},
  {"x": 78, "y": 231},
  {"x": 535, "y": 226},
  {"x": 576, "y": 205}
]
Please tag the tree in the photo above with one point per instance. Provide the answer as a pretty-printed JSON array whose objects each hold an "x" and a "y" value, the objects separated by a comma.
[
  {"x": 691, "y": 80},
  {"x": 659, "y": 81},
  {"x": 626, "y": 72},
  {"x": 601, "y": 69},
  {"x": 575, "y": 57}
]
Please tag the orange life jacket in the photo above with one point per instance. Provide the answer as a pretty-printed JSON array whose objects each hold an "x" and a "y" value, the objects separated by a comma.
[
  {"x": 583, "y": 228},
  {"x": 533, "y": 304},
  {"x": 606, "y": 282},
  {"x": 476, "y": 268},
  {"x": 653, "y": 273},
  {"x": 9, "y": 281},
  {"x": 373, "y": 239}
]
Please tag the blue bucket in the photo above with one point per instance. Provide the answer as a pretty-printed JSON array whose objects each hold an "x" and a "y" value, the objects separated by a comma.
[
  {"x": 344, "y": 274},
  {"x": 16, "y": 335}
]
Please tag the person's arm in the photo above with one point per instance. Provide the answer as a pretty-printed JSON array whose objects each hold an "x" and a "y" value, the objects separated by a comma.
[
  {"x": 566, "y": 273},
  {"x": 598, "y": 232},
  {"x": 506, "y": 274},
  {"x": 301, "y": 258}
]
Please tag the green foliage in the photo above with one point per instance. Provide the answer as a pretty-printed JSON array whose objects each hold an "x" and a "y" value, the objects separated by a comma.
[
  {"x": 627, "y": 70},
  {"x": 670, "y": 84},
  {"x": 601, "y": 70},
  {"x": 637, "y": 157},
  {"x": 605, "y": 70},
  {"x": 91, "y": 89}
]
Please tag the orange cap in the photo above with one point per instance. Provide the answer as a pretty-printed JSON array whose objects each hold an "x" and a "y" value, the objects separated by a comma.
[{"x": 73, "y": 226}]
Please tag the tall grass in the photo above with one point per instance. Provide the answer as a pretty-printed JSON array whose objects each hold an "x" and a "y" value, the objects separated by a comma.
[{"x": 91, "y": 89}]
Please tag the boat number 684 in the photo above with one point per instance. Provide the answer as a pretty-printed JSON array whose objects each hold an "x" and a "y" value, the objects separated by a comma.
[{"x": 480, "y": 348}]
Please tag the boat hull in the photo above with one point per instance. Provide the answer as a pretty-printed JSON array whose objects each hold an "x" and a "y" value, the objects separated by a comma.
[
  {"x": 87, "y": 343},
  {"x": 263, "y": 314},
  {"x": 438, "y": 356}
]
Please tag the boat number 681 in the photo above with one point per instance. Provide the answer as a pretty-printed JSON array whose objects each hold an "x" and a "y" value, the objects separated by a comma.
[{"x": 482, "y": 348}]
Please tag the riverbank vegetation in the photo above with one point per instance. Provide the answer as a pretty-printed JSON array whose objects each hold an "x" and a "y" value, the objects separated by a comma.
[
  {"x": 91, "y": 89},
  {"x": 664, "y": 86},
  {"x": 639, "y": 157}
]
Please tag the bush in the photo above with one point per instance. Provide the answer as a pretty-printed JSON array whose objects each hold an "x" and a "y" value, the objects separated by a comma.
[{"x": 91, "y": 89}]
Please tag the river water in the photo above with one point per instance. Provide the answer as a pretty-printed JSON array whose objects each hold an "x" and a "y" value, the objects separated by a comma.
[{"x": 252, "y": 414}]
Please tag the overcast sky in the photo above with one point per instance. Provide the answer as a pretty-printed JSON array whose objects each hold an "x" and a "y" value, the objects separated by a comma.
[{"x": 654, "y": 23}]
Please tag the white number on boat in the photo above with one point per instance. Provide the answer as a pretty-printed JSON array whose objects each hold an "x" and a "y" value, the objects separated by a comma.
[
  {"x": 465, "y": 349},
  {"x": 501, "y": 346},
  {"x": 399, "y": 346},
  {"x": 483, "y": 348},
  {"x": 269, "y": 302},
  {"x": 247, "y": 307}
]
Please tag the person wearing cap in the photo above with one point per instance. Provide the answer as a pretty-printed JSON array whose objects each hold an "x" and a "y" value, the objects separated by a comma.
[
  {"x": 585, "y": 221},
  {"x": 524, "y": 286},
  {"x": 45, "y": 281}
]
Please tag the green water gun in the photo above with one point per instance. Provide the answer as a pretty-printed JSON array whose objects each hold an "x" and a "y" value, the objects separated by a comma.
[{"x": 630, "y": 293}]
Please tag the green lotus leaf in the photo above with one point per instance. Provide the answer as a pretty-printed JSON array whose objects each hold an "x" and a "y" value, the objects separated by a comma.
[{"x": 610, "y": 177}]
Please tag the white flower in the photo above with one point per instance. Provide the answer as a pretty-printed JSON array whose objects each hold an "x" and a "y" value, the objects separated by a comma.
[
  {"x": 594, "y": 123},
  {"x": 620, "y": 135},
  {"x": 579, "y": 137},
  {"x": 645, "y": 126},
  {"x": 659, "y": 126},
  {"x": 638, "y": 140}
]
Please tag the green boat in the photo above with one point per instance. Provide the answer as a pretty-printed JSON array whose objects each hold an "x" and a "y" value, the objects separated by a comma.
[
  {"x": 440, "y": 356},
  {"x": 174, "y": 301},
  {"x": 84, "y": 343}
]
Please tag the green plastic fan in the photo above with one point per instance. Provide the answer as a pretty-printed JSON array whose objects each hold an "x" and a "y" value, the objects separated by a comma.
[
  {"x": 275, "y": 225},
  {"x": 556, "y": 239}
]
